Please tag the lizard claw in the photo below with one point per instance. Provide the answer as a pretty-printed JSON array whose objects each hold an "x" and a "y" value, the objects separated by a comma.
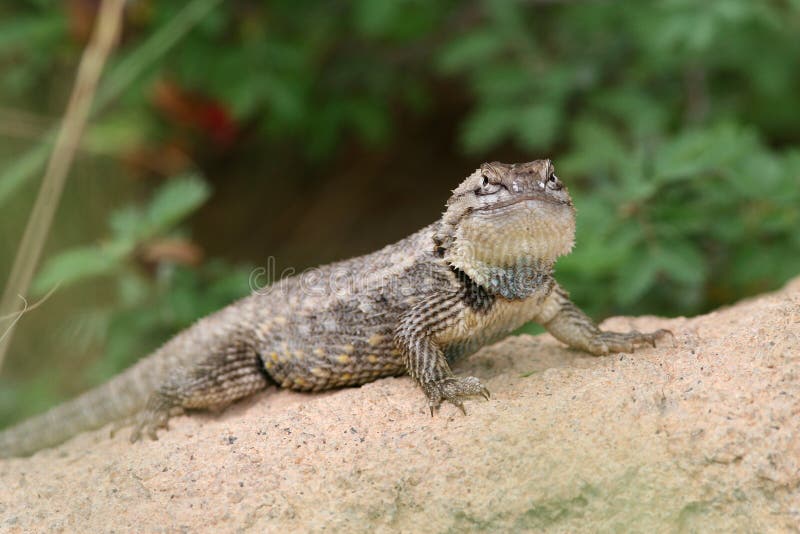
[
  {"x": 154, "y": 417},
  {"x": 607, "y": 342},
  {"x": 454, "y": 390},
  {"x": 662, "y": 333}
]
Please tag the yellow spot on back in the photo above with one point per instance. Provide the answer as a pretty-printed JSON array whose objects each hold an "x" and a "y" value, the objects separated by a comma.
[
  {"x": 343, "y": 358},
  {"x": 319, "y": 352},
  {"x": 300, "y": 382},
  {"x": 345, "y": 377},
  {"x": 375, "y": 339},
  {"x": 372, "y": 358},
  {"x": 299, "y": 354},
  {"x": 348, "y": 348},
  {"x": 274, "y": 357},
  {"x": 320, "y": 372},
  {"x": 280, "y": 319}
]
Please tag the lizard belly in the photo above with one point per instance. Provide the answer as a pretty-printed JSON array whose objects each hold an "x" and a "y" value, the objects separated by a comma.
[{"x": 476, "y": 328}]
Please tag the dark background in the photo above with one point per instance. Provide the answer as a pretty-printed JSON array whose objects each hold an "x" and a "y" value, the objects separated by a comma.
[{"x": 311, "y": 131}]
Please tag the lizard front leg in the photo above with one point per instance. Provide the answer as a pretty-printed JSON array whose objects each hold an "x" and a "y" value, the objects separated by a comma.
[
  {"x": 567, "y": 323},
  {"x": 426, "y": 363},
  {"x": 228, "y": 374}
]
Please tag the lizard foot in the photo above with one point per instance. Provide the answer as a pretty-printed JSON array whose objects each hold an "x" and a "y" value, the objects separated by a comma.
[
  {"x": 154, "y": 417},
  {"x": 119, "y": 425},
  {"x": 606, "y": 342},
  {"x": 454, "y": 390}
]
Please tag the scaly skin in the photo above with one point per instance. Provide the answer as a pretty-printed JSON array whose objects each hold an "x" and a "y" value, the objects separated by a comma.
[{"x": 481, "y": 271}]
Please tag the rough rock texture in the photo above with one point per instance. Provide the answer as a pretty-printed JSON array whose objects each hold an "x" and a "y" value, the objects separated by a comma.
[{"x": 702, "y": 435}]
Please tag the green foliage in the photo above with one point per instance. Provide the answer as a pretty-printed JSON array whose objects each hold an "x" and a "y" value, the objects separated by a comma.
[
  {"x": 667, "y": 119},
  {"x": 130, "y": 228}
]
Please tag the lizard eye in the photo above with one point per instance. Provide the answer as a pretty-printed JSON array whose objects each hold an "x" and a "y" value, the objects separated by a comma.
[
  {"x": 487, "y": 187},
  {"x": 554, "y": 183}
]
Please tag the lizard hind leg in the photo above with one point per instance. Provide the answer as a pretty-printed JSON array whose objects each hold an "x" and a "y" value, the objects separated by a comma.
[{"x": 213, "y": 383}]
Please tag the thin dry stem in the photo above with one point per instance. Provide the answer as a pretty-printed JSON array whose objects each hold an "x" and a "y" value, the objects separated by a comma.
[{"x": 105, "y": 36}]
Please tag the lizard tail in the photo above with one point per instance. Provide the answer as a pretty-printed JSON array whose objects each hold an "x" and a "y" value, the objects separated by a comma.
[
  {"x": 116, "y": 400},
  {"x": 126, "y": 394}
]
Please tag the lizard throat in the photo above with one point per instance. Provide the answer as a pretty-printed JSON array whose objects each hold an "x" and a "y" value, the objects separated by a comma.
[{"x": 509, "y": 251}]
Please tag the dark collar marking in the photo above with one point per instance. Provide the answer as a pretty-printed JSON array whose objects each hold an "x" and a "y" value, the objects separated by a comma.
[{"x": 477, "y": 297}]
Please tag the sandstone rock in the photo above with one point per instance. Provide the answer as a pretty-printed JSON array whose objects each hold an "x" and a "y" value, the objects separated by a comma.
[{"x": 698, "y": 435}]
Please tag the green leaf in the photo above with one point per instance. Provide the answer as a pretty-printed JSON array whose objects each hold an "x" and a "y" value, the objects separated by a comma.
[
  {"x": 374, "y": 18},
  {"x": 16, "y": 174},
  {"x": 487, "y": 126},
  {"x": 79, "y": 264},
  {"x": 636, "y": 276},
  {"x": 474, "y": 48},
  {"x": 538, "y": 125},
  {"x": 173, "y": 201},
  {"x": 127, "y": 223},
  {"x": 116, "y": 133},
  {"x": 703, "y": 151},
  {"x": 21, "y": 31},
  {"x": 682, "y": 261}
]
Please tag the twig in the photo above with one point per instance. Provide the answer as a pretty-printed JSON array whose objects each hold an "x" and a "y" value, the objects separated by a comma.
[
  {"x": 16, "y": 316},
  {"x": 105, "y": 36},
  {"x": 29, "y": 308}
]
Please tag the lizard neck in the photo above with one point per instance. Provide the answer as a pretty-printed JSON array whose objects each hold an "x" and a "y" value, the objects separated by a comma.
[{"x": 512, "y": 282}]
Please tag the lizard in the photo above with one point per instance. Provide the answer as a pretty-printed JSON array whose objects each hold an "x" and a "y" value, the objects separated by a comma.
[{"x": 481, "y": 271}]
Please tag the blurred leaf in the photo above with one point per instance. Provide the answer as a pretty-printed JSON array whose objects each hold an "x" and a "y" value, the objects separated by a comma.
[
  {"x": 116, "y": 133},
  {"x": 373, "y": 18},
  {"x": 127, "y": 223},
  {"x": 18, "y": 31},
  {"x": 23, "y": 168},
  {"x": 474, "y": 48},
  {"x": 538, "y": 126},
  {"x": 173, "y": 201},
  {"x": 695, "y": 152},
  {"x": 488, "y": 126},
  {"x": 681, "y": 261},
  {"x": 637, "y": 276},
  {"x": 79, "y": 264}
]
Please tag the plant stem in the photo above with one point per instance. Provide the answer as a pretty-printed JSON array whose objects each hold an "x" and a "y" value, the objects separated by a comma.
[{"x": 105, "y": 36}]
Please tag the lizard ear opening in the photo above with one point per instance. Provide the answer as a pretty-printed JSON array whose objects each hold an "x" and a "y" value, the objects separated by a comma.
[
  {"x": 442, "y": 238},
  {"x": 457, "y": 206}
]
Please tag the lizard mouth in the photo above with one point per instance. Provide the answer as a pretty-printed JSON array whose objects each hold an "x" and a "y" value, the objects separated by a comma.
[{"x": 538, "y": 197}]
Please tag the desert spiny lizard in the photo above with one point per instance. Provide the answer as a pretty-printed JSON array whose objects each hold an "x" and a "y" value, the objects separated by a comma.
[{"x": 482, "y": 270}]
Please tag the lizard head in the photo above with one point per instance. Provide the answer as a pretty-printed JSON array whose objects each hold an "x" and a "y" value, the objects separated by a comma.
[{"x": 504, "y": 216}]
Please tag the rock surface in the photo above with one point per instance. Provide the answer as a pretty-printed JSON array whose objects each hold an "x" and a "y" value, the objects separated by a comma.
[{"x": 696, "y": 436}]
